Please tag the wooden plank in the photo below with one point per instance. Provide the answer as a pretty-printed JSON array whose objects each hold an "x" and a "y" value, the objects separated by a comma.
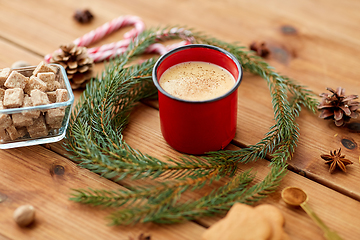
[
  {"x": 247, "y": 18},
  {"x": 317, "y": 137},
  {"x": 144, "y": 133},
  {"x": 42, "y": 178},
  {"x": 306, "y": 160},
  {"x": 13, "y": 54},
  {"x": 43, "y": 26},
  {"x": 324, "y": 52},
  {"x": 37, "y": 176},
  {"x": 311, "y": 55},
  {"x": 2, "y": 237}
]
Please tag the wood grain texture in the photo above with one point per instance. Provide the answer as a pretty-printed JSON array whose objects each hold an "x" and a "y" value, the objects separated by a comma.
[
  {"x": 44, "y": 179},
  {"x": 323, "y": 200},
  {"x": 13, "y": 53},
  {"x": 40, "y": 177},
  {"x": 315, "y": 42},
  {"x": 327, "y": 203}
]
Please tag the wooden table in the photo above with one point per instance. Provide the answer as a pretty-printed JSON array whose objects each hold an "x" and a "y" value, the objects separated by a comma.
[{"x": 315, "y": 42}]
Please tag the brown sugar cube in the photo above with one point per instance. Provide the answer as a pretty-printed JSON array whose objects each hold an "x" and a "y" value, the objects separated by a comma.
[
  {"x": 2, "y": 132},
  {"x": 56, "y": 125},
  {"x": 61, "y": 95},
  {"x": 55, "y": 115},
  {"x": 13, "y": 97},
  {"x": 54, "y": 68},
  {"x": 35, "y": 83},
  {"x": 4, "y": 74},
  {"x": 20, "y": 120},
  {"x": 39, "y": 134},
  {"x": 13, "y": 133},
  {"x": 2, "y": 94},
  {"x": 51, "y": 96},
  {"x": 4, "y": 136},
  {"x": 39, "y": 98},
  {"x": 38, "y": 126},
  {"x": 29, "y": 113},
  {"x": 2, "y": 105},
  {"x": 57, "y": 85},
  {"x": 5, "y": 119},
  {"x": 16, "y": 80},
  {"x": 22, "y": 131},
  {"x": 43, "y": 67},
  {"x": 49, "y": 79}
]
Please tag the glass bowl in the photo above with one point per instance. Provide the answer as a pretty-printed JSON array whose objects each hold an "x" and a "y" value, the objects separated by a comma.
[{"x": 55, "y": 131}]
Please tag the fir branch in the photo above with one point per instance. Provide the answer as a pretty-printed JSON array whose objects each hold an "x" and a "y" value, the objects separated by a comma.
[
  {"x": 256, "y": 65},
  {"x": 267, "y": 145},
  {"x": 285, "y": 123},
  {"x": 122, "y": 197},
  {"x": 95, "y": 139},
  {"x": 204, "y": 206},
  {"x": 219, "y": 201}
]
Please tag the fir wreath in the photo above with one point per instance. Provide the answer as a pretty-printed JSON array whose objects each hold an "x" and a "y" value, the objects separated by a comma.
[{"x": 96, "y": 142}]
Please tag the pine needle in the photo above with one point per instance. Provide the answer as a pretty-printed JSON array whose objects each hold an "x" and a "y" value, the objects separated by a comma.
[{"x": 95, "y": 139}]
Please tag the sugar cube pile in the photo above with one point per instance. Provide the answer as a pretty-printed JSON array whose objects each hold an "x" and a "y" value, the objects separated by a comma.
[{"x": 19, "y": 91}]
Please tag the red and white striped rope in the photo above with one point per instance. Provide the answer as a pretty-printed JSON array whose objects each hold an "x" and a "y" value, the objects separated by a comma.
[
  {"x": 161, "y": 49},
  {"x": 114, "y": 49},
  {"x": 110, "y": 27}
]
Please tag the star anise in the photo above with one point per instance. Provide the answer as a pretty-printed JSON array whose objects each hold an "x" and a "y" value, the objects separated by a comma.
[
  {"x": 336, "y": 105},
  {"x": 336, "y": 159}
]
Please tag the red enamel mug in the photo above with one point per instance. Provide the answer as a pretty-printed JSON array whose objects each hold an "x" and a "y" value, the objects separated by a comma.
[{"x": 197, "y": 127}]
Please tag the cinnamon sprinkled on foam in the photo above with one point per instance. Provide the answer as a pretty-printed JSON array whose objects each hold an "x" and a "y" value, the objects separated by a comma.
[{"x": 196, "y": 81}]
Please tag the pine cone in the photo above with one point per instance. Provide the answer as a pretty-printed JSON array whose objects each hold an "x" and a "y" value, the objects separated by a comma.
[
  {"x": 77, "y": 63},
  {"x": 339, "y": 107}
]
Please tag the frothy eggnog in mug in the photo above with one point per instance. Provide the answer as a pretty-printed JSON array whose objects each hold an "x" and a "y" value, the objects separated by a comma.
[{"x": 197, "y": 81}]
